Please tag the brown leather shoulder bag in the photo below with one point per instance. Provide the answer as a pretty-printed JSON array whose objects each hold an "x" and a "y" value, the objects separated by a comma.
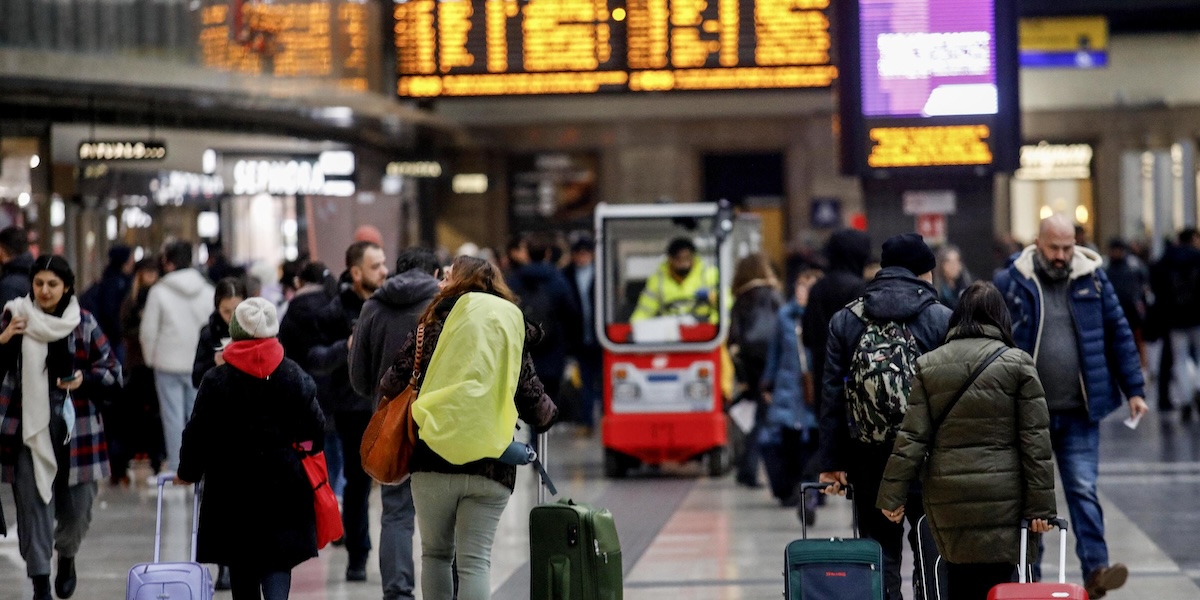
[{"x": 388, "y": 442}]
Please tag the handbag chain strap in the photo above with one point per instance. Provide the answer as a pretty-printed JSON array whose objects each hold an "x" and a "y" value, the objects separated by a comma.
[{"x": 416, "y": 372}]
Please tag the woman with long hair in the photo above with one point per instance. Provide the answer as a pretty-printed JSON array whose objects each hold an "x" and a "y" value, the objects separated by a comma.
[
  {"x": 52, "y": 448},
  {"x": 753, "y": 321},
  {"x": 228, "y": 293},
  {"x": 950, "y": 278},
  {"x": 474, "y": 356},
  {"x": 984, "y": 460}
]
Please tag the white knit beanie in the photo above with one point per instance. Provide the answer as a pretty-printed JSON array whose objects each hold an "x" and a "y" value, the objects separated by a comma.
[{"x": 254, "y": 318}]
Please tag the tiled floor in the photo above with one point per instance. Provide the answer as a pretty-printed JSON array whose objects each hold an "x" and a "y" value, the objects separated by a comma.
[{"x": 686, "y": 536}]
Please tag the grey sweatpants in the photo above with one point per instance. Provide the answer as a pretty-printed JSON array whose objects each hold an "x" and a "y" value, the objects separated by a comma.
[{"x": 38, "y": 535}]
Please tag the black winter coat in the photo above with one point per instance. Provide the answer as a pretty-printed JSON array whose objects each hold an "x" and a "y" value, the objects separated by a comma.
[
  {"x": 534, "y": 407},
  {"x": 331, "y": 357},
  {"x": 1175, "y": 279},
  {"x": 257, "y": 509},
  {"x": 547, "y": 302},
  {"x": 894, "y": 295},
  {"x": 14, "y": 278},
  {"x": 753, "y": 322},
  {"x": 847, "y": 251},
  {"x": 206, "y": 349},
  {"x": 387, "y": 319},
  {"x": 104, "y": 300}
]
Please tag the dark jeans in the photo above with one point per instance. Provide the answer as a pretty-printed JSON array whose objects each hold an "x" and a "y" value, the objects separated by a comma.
[
  {"x": 787, "y": 461},
  {"x": 974, "y": 581},
  {"x": 249, "y": 583},
  {"x": 355, "y": 498},
  {"x": 868, "y": 462},
  {"x": 591, "y": 368}
]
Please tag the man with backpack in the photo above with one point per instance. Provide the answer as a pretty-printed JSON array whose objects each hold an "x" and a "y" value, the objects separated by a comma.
[{"x": 871, "y": 358}]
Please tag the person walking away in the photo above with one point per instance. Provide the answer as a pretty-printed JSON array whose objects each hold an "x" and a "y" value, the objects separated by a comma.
[
  {"x": 1131, "y": 282},
  {"x": 752, "y": 324},
  {"x": 15, "y": 262},
  {"x": 950, "y": 278},
  {"x": 1066, "y": 314},
  {"x": 789, "y": 433},
  {"x": 896, "y": 320},
  {"x": 176, "y": 309},
  {"x": 388, "y": 317},
  {"x": 1175, "y": 281},
  {"x": 486, "y": 344},
  {"x": 299, "y": 332},
  {"x": 581, "y": 280},
  {"x": 52, "y": 448},
  {"x": 252, "y": 415},
  {"x": 545, "y": 298},
  {"x": 365, "y": 272},
  {"x": 847, "y": 252},
  {"x": 984, "y": 462},
  {"x": 144, "y": 425}
]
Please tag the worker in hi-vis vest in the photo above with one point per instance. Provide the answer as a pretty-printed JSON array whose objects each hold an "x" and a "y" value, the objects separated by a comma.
[{"x": 682, "y": 285}]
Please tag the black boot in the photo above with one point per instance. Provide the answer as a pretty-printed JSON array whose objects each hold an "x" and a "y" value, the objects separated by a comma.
[
  {"x": 356, "y": 570},
  {"x": 41, "y": 587},
  {"x": 64, "y": 582},
  {"x": 222, "y": 582}
]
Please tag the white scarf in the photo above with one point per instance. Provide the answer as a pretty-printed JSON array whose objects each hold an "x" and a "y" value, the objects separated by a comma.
[{"x": 42, "y": 328}]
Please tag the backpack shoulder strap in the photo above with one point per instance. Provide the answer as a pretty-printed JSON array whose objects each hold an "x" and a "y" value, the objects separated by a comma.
[{"x": 858, "y": 307}]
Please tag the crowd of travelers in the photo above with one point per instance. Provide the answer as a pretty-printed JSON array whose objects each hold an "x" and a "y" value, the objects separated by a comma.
[{"x": 188, "y": 368}]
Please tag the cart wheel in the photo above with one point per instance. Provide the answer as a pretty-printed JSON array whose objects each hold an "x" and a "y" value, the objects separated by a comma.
[
  {"x": 615, "y": 464},
  {"x": 718, "y": 461}
]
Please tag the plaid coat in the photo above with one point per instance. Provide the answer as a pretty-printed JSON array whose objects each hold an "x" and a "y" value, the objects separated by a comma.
[{"x": 89, "y": 353}]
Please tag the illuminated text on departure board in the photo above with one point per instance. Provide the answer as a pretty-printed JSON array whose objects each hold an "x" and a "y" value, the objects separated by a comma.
[{"x": 513, "y": 47}]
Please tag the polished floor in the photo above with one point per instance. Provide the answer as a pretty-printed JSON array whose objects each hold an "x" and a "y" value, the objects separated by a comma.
[{"x": 686, "y": 536}]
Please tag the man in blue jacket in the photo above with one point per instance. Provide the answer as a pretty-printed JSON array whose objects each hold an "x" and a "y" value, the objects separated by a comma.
[{"x": 1067, "y": 315}]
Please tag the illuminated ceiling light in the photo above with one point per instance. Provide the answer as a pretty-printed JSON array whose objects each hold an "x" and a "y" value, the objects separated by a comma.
[
  {"x": 1047, "y": 212},
  {"x": 618, "y": 14},
  {"x": 34, "y": 161},
  {"x": 58, "y": 213},
  {"x": 208, "y": 161},
  {"x": 1081, "y": 214},
  {"x": 336, "y": 162},
  {"x": 23, "y": 199}
]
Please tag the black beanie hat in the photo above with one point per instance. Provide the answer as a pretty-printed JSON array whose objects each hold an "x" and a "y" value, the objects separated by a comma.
[{"x": 908, "y": 250}]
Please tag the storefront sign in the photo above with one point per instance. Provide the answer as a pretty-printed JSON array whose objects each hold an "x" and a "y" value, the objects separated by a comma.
[
  {"x": 420, "y": 169},
  {"x": 123, "y": 150},
  {"x": 180, "y": 185},
  {"x": 930, "y": 202},
  {"x": 287, "y": 178},
  {"x": 469, "y": 183},
  {"x": 1064, "y": 42},
  {"x": 1055, "y": 161}
]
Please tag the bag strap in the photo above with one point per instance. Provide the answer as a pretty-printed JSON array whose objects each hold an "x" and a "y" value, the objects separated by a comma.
[
  {"x": 937, "y": 423},
  {"x": 416, "y": 372}
]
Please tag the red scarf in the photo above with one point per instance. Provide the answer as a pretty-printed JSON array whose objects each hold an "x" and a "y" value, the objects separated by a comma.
[{"x": 256, "y": 358}]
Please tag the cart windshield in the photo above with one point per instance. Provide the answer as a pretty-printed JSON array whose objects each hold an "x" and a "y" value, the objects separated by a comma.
[{"x": 661, "y": 282}]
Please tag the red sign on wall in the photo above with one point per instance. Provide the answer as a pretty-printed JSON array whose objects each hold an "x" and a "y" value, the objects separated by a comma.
[{"x": 932, "y": 227}]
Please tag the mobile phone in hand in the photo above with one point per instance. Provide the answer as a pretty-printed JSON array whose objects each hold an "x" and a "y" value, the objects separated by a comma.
[{"x": 69, "y": 378}]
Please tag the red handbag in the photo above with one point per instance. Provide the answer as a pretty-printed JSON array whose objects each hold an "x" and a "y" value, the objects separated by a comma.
[{"x": 329, "y": 519}]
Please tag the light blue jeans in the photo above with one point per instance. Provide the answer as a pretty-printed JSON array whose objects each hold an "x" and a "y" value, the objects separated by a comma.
[
  {"x": 1076, "y": 443},
  {"x": 176, "y": 398},
  {"x": 458, "y": 516}
]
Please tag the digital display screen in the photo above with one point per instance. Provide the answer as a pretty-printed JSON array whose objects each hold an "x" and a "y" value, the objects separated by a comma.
[
  {"x": 928, "y": 85},
  {"x": 928, "y": 57},
  {"x": 520, "y": 47}
]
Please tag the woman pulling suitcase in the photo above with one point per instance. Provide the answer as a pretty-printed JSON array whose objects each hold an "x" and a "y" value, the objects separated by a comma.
[
  {"x": 477, "y": 374},
  {"x": 977, "y": 433}
]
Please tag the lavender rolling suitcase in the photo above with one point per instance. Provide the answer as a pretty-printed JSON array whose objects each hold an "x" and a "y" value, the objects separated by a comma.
[{"x": 171, "y": 581}]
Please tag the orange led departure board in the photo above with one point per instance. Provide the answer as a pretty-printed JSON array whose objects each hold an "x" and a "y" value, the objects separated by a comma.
[{"x": 517, "y": 47}]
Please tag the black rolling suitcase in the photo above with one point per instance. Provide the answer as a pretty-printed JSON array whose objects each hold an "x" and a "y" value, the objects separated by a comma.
[
  {"x": 930, "y": 581},
  {"x": 833, "y": 568},
  {"x": 574, "y": 551}
]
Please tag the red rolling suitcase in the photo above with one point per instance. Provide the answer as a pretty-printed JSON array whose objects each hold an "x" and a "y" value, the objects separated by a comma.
[{"x": 1042, "y": 590}]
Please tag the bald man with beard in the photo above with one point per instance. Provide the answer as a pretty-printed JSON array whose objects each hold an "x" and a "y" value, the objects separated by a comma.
[{"x": 1067, "y": 316}]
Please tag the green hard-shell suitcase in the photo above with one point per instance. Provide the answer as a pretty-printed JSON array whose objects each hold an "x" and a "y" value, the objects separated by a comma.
[
  {"x": 574, "y": 550},
  {"x": 833, "y": 568}
]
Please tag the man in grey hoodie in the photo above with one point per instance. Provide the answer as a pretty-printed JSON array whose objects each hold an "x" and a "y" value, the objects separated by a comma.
[{"x": 387, "y": 319}]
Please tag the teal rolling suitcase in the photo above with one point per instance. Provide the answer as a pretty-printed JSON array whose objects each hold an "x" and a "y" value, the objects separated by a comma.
[
  {"x": 574, "y": 551},
  {"x": 833, "y": 568}
]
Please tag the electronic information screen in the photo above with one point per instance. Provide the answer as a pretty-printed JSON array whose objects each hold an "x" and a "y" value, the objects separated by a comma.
[
  {"x": 520, "y": 47},
  {"x": 928, "y": 84}
]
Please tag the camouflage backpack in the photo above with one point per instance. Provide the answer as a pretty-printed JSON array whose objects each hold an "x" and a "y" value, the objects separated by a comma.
[{"x": 880, "y": 378}]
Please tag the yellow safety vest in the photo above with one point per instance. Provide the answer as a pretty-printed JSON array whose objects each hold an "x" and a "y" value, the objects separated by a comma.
[{"x": 664, "y": 295}]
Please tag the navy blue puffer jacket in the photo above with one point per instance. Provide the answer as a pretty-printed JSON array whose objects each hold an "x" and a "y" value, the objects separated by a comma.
[{"x": 1108, "y": 355}]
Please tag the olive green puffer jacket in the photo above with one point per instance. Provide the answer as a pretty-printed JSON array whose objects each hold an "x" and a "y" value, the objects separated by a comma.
[{"x": 990, "y": 464}]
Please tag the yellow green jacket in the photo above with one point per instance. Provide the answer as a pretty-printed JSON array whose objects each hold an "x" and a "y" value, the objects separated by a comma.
[{"x": 664, "y": 295}]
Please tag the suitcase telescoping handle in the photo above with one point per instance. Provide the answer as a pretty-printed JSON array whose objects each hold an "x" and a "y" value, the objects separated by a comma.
[
  {"x": 804, "y": 487},
  {"x": 1024, "y": 576},
  {"x": 162, "y": 480},
  {"x": 543, "y": 440}
]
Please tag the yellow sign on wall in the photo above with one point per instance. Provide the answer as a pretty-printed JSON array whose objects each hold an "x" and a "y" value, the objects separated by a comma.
[{"x": 1064, "y": 42}]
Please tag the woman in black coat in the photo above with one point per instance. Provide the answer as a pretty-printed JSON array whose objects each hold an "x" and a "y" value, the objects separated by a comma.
[
  {"x": 256, "y": 514},
  {"x": 228, "y": 293}
]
